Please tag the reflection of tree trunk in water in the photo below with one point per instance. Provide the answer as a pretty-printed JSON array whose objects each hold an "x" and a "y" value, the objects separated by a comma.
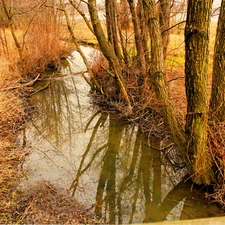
[
  {"x": 177, "y": 194},
  {"x": 135, "y": 196},
  {"x": 127, "y": 181},
  {"x": 143, "y": 177},
  {"x": 196, "y": 207},
  {"x": 52, "y": 103},
  {"x": 75, "y": 183},
  {"x": 194, "y": 204},
  {"x": 153, "y": 200},
  {"x": 107, "y": 180}
]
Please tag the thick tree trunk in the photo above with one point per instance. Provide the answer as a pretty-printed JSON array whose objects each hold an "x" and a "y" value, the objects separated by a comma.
[
  {"x": 196, "y": 61},
  {"x": 217, "y": 102}
]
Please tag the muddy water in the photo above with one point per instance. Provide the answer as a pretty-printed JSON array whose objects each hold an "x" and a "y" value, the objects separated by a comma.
[{"x": 106, "y": 164}]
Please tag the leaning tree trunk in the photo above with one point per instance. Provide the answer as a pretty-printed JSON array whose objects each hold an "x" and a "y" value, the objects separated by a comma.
[
  {"x": 158, "y": 77},
  {"x": 108, "y": 51},
  {"x": 196, "y": 61},
  {"x": 96, "y": 84},
  {"x": 217, "y": 103}
]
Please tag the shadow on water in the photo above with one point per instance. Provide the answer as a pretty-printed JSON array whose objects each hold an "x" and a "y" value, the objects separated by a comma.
[{"x": 106, "y": 164}]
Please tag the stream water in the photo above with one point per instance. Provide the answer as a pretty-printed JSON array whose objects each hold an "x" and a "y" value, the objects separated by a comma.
[{"x": 106, "y": 164}]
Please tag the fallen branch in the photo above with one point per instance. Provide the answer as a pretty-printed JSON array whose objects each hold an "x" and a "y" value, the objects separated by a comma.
[{"x": 30, "y": 83}]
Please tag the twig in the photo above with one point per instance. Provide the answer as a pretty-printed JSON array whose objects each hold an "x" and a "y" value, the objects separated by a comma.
[
  {"x": 41, "y": 89},
  {"x": 176, "y": 78},
  {"x": 110, "y": 73},
  {"x": 174, "y": 26}
]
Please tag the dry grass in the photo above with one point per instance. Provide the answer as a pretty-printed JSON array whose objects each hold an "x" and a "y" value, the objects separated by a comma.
[
  {"x": 216, "y": 145},
  {"x": 82, "y": 32},
  {"x": 11, "y": 106},
  {"x": 11, "y": 118},
  {"x": 43, "y": 45}
]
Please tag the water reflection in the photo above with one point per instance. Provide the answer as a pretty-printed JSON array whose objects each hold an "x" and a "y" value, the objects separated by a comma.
[
  {"x": 108, "y": 165},
  {"x": 135, "y": 182}
]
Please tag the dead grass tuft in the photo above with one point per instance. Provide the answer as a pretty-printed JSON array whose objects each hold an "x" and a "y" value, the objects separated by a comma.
[{"x": 43, "y": 45}]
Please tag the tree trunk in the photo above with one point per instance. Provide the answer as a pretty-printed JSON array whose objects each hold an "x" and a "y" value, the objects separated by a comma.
[
  {"x": 138, "y": 39},
  {"x": 158, "y": 78},
  {"x": 96, "y": 85},
  {"x": 111, "y": 26},
  {"x": 164, "y": 19},
  {"x": 108, "y": 51},
  {"x": 217, "y": 103},
  {"x": 196, "y": 65}
]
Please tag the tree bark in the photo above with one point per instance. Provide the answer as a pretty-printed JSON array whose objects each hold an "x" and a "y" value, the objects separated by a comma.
[
  {"x": 217, "y": 103},
  {"x": 196, "y": 65},
  {"x": 138, "y": 42},
  {"x": 164, "y": 19},
  {"x": 111, "y": 12}
]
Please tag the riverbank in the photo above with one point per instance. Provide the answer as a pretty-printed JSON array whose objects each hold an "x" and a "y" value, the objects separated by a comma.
[
  {"x": 43, "y": 203},
  {"x": 12, "y": 117}
]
